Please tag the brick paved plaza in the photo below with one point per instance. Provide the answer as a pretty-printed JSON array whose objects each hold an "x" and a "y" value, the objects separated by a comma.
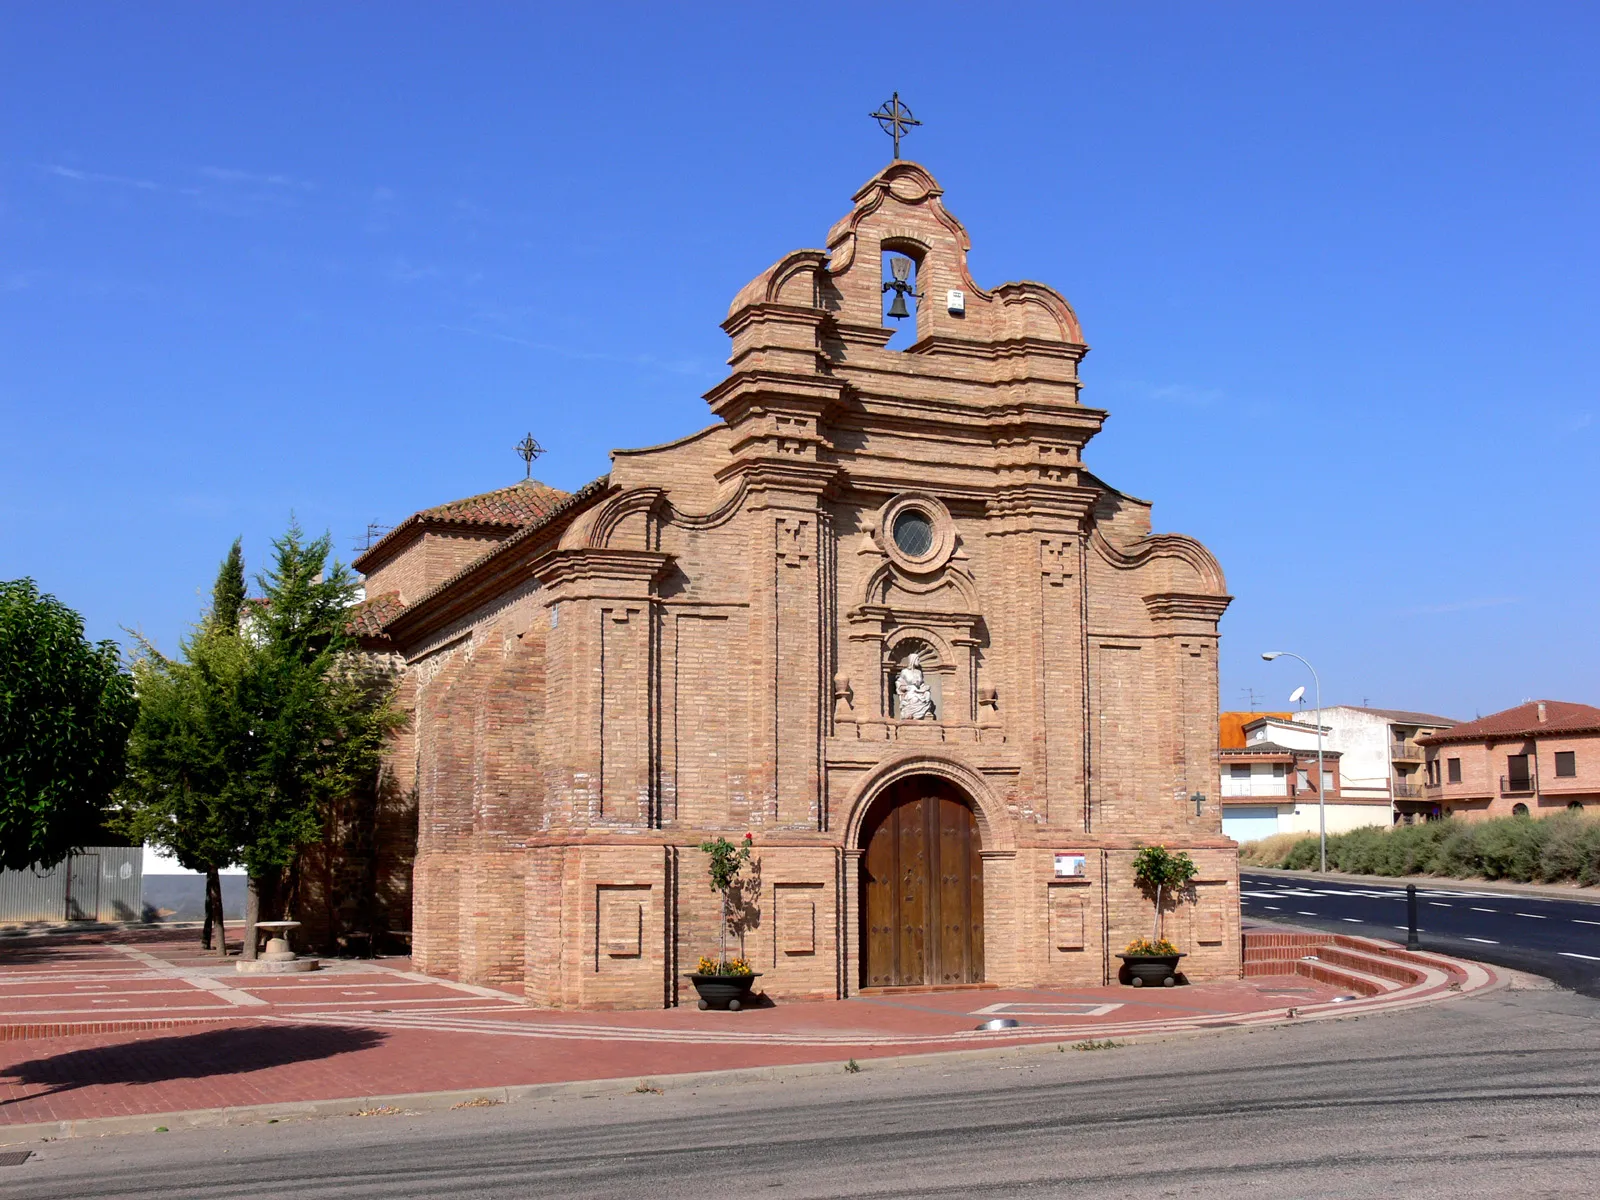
[{"x": 101, "y": 1028}]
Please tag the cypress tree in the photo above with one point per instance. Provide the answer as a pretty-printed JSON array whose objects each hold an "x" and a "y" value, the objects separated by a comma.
[{"x": 227, "y": 594}]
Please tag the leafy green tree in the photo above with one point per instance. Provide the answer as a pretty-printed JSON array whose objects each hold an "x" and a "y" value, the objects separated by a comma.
[
  {"x": 1158, "y": 870},
  {"x": 66, "y": 706},
  {"x": 178, "y": 754},
  {"x": 314, "y": 714},
  {"x": 272, "y": 714}
]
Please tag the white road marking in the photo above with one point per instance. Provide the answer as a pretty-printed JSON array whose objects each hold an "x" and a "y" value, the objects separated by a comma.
[
  {"x": 1486, "y": 910},
  {"x": 1570, "y": 954},
  {"x": 1485, "y": 941},
  {"x": 1302, "y": 912},
  {"x": 1535, "y": 916},
  {"x": 1439, "y": 904},
  {"x": 1274, "y": 908},
  {"x": 1579, "y": 921},
  {"x": 1352, "y": 920}
]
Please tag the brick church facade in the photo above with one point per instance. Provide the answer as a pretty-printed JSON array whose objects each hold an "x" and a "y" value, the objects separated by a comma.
[{"x": 879, "y": 614}]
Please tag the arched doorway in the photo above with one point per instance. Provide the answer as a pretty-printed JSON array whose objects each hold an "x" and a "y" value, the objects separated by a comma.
[{"x": 921, "y": 887}]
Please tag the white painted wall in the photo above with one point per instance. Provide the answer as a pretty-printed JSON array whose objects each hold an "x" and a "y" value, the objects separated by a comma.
[
  {"x": 1302, "y": 818},
  {"x": 1293, "y": 734},
  {"x": 1362, "y": 739},
  {"x": 1254, "y": 779}
]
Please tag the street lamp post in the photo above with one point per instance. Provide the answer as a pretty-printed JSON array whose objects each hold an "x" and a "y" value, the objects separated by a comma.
[{"x": 1322, "y": 779}]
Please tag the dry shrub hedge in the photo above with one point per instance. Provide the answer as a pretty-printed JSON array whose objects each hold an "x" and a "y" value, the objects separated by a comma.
[{"x": 1564, "y": 848}]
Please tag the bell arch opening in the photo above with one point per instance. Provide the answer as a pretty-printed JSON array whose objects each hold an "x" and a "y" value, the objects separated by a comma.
[{"x": 921, "y": 900}]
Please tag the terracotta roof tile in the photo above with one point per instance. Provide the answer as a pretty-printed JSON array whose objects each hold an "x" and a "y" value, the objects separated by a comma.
[
  {"x": 507, "y": 509},
  {"x": 524, "y": 503},
  {"x": 567, "y": 503},
  {"x": 1560, "y": 716},
  {"x": 368, "y": 618}
]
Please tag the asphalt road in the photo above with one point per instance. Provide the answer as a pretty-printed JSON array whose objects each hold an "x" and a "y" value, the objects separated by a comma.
[
  {"x": 1495, "y": 1095},
  {"x": 1559, "y": 939}
]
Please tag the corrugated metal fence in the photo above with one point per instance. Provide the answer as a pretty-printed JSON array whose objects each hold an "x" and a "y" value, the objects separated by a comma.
[{"x": 100, "y": 883}]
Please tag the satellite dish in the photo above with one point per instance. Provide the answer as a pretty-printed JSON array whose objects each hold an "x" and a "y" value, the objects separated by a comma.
[{"x": 1297, "y": 695}]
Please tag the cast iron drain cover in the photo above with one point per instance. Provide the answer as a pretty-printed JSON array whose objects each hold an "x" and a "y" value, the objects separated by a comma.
[{"x": 14, "y": 1158}]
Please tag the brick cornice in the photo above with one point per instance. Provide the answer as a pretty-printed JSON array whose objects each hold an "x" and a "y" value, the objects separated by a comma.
[
  {"x": 1186, "y": 606},
  {"x": 589, "y": 565}
]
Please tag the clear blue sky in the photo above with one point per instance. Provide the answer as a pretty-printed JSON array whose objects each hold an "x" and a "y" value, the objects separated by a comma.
[{"x": 1337, "y": 263}]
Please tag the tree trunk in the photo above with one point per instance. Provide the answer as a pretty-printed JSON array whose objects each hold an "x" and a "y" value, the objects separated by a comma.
[
  {"x": 252, "y": 914},
  {"x": 1158, "y": 912},
  {"x": 205, "y": 928},
  {"x": 214, "y": 911}
]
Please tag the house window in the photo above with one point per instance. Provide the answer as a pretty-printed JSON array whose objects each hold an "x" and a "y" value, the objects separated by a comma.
[
  {"x": 1279, "y": 770},
  {"x": 1303, "y": 780},
  {"x": 1566, "y": 764},
  {"x": 1519, "y": 810},
  {"x": 1518, "y": 778},
  {"x": 1240, "y": 770},
  {"x": 1433, "y": 771},
  {"x": 1452, "y": 767},
  {"x": 1575, "y": 806}
]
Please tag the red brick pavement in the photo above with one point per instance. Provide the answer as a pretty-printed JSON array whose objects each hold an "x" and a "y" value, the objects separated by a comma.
[{"x": 373, "y": 1028}]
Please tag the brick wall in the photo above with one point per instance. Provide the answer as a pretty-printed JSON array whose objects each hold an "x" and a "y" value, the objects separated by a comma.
[{"x": 708, "y": 645}]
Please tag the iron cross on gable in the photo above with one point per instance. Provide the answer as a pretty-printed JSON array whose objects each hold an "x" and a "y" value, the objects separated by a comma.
[
  {"x": 895, "y": 118},
  {"x": 527, "y": 451}
]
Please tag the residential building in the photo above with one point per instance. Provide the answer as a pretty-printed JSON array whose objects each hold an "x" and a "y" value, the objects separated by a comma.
[
  {"x": 1270, "y": 782},
  {"x": 1381, "y": 758},
  {"x": 1535, "y": 759}
]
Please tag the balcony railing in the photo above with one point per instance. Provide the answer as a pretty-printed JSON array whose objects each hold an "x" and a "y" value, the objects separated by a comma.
[
  {"x": 1518, "y": 785},
  {"x": 1407, "y": 791},
  {"x": 1405, "y": 750}
]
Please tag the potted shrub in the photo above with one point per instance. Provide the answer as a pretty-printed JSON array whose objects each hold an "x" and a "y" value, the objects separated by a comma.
[
  {"x": 724, "y": 982},
  {"x": 1161, "y": 874}
]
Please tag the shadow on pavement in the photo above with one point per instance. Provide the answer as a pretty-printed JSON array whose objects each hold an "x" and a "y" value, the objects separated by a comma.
[{"x": 237, "y": 1050}]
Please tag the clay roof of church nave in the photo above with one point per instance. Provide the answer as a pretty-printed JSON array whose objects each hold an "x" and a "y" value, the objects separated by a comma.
[
  {"x": 524, "y": 503},
  {"x": 505, "y": 509},
  {"x": 373, "y": 614},
  {"x": 368, "y": 618}
]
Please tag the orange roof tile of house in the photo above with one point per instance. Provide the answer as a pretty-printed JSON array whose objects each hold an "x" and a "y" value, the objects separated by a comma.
[
  {"x": 1230, "y": 727},
  {"x": 1525, "y": 720}
]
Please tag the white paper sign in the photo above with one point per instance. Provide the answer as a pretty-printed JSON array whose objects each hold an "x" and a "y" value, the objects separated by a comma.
[{"x": 1068, "y": 865}]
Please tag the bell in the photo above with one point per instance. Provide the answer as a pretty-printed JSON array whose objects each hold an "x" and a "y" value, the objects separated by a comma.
[{"x": 897, "y": 306}]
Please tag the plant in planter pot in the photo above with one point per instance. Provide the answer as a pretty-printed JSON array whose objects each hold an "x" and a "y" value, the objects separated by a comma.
[
  {"x": 724, "y": 982},
  {"x": 1162, "y": 874}
]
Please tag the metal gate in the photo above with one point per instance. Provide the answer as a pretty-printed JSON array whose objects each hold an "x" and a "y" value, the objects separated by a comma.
[
  {"x": 83, "y": 887},
  {"x": 101, "y": 883}
]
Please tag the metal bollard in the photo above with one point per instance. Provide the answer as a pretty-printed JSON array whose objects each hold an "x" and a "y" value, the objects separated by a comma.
[{"x": 1411, "y": 917}]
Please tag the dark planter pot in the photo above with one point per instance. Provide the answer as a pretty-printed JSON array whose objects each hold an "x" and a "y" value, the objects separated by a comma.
[
  {"x": 1151, "y": 969},
  {"x": 731, "y": 992}
]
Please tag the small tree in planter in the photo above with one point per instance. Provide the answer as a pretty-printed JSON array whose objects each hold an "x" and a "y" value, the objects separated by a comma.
[
  {"x": 1159, "y": 872},
  {"x": 724, "y": 982}
]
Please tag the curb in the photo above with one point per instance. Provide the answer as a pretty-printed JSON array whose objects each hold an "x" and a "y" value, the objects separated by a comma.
[
  {"x": 1545, "y": 891},
  {"x": 29, "y": 1031}
]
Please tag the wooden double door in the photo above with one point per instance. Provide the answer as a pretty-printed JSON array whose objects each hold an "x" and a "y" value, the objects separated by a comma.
[{"x": 922, "y": 888}]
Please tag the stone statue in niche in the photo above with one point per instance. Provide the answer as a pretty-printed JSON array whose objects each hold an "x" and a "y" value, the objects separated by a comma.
[{"x": 914, "y": 696}]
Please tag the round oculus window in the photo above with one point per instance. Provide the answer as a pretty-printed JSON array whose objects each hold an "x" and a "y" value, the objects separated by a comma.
[{"x": 913, "y": 532}]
